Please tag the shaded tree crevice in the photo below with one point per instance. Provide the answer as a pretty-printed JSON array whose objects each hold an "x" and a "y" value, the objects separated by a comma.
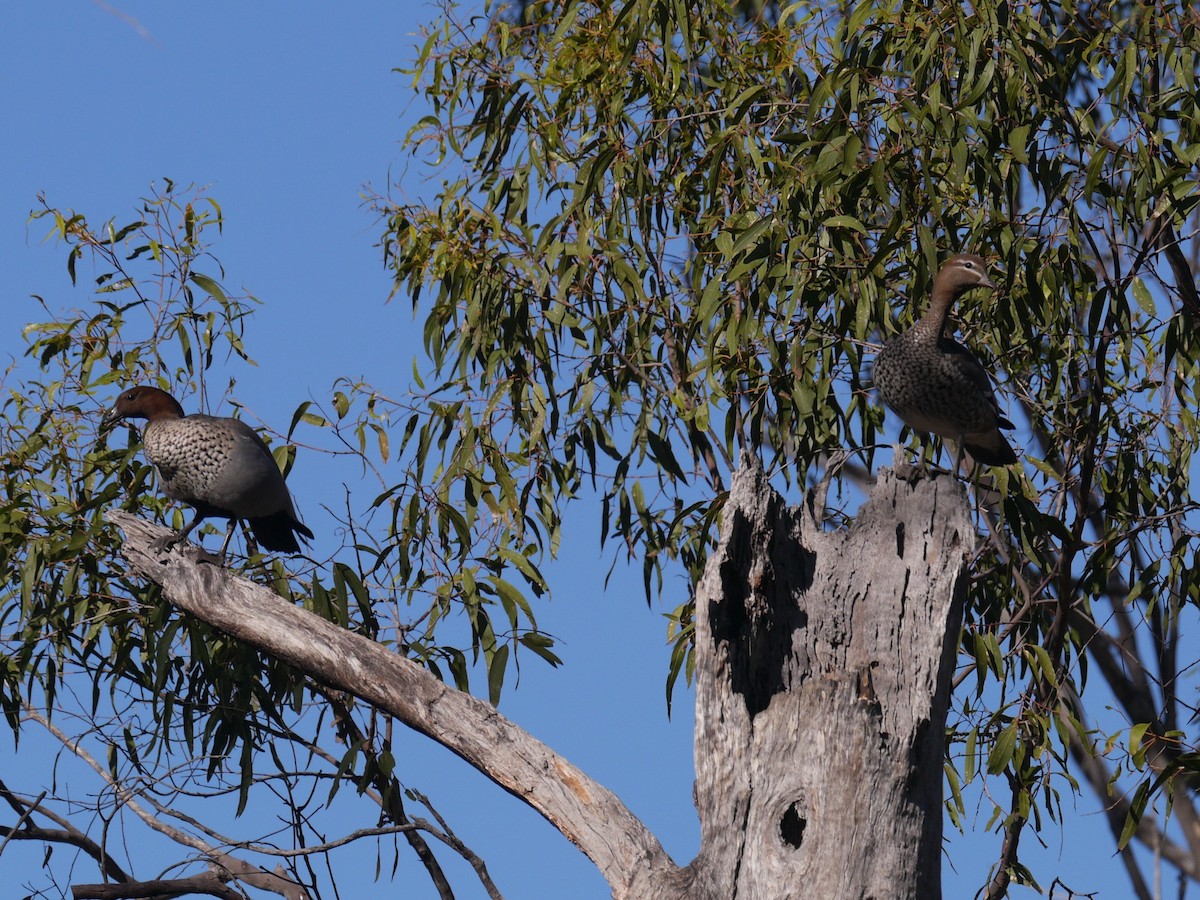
[{"x": 852, "y": 656}]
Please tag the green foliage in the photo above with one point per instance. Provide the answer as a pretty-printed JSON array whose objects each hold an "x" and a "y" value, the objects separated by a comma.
[
  {"x": 169, "y": 695},
  {"x": 662, "y": 238},
  {"x": 666, "y": 234},
  {"x": 68, "y": 609}
]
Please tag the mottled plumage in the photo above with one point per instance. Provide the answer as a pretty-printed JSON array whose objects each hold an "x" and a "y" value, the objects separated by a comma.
[
  {"x": 219, "y": 466},
  {"x": 934, "y": 383}
]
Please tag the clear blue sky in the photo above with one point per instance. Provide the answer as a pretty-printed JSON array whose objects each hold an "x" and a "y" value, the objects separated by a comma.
[{"x": 284, "y": 111}]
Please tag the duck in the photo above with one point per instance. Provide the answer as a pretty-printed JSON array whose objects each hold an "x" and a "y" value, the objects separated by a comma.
[
  {"x": 219, "y": 466},
  {"x": 935, "y": 384}
]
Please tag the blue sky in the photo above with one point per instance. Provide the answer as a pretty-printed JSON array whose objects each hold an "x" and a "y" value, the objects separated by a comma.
[{"x": 283, "y": 112}]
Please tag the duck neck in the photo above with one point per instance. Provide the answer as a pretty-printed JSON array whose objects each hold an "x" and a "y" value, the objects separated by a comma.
[
  {"x": 933, "y": 322},
  {"x": 167, "y": 408}
]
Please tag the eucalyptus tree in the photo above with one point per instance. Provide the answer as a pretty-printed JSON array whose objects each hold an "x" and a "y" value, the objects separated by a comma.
[{"x": 663, "y": 245}]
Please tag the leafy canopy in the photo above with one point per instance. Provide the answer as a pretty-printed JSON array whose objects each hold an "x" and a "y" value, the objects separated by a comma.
[{"x": 662, "y": 234}]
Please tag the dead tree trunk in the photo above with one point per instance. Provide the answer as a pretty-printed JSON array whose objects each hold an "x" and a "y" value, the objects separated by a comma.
[
  {"x": 823, "y": 670},
  {"x": 822, "y": 684}
]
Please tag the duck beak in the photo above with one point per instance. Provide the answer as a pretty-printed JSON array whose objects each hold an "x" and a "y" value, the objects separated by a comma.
[
  {"x": 111, "y": 417},
  {"x": 985, "y": 282}
]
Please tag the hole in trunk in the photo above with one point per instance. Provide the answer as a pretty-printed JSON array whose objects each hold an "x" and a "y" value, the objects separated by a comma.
[{"x": 792, "y": 825}]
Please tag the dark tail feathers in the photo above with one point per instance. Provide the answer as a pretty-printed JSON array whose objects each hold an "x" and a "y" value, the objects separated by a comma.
[
  {"x": 278, "y": 532},
  {"x": 990, "y": 448}
]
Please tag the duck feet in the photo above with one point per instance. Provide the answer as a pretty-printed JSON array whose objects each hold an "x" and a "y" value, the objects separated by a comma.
[{"x": 167, "y": 542}]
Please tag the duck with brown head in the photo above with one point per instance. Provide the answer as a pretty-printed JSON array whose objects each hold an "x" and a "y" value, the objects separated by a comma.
[
  {"x": 934, "y": 384},
  {"x": 218, "y": 466}
]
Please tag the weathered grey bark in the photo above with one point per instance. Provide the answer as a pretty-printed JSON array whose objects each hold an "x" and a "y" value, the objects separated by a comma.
[
  {"x": 208, "y": 884},
  {"x": 588, "y": 814},
  {"x": 823, "y": 671},
  {"x": 822, "y": 684}
]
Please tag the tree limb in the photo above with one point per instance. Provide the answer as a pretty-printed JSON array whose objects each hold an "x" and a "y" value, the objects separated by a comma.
[
  {"x": 207, "y": 883},
  {"x": 998, "y": 888},
  {"x": 1117, "y": 808},
  {"x": 390, "y": 797},
  {"x": 69, "y": 834},
  {"x": 249, "y": 873},
  {"x": 630, "y": 858}
]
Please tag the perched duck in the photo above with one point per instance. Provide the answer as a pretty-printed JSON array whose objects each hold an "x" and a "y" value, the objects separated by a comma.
[
  {"x": 218, "y": 466},
  {"x": 934, "y": 384}
]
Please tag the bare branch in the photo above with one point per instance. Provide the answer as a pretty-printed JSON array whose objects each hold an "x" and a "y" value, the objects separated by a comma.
[
  {"x": 243, "y": 871},
  {"x": 391, "y": 801},
  {"x": 1116, "y": 809},
  {"x": 448, "y": 837},
  {"x": 588, "y": 814},
  {"x": 208, "y": 883},
  {"x": 68, "y": 834},
  {"x": 998, "y": 887}
]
